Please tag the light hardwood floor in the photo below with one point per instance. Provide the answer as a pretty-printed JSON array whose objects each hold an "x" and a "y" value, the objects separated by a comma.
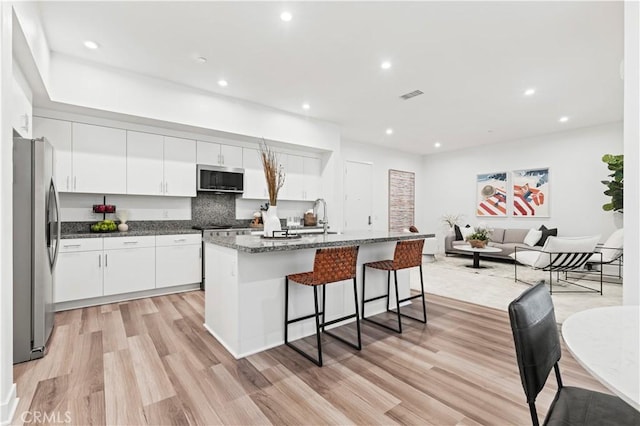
[{"x": 150, "y": 361}]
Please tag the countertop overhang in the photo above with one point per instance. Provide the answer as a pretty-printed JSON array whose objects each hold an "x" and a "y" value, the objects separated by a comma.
[{"x": 256, "y": 244}]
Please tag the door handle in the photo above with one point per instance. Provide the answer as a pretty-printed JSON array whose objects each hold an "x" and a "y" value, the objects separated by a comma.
[
  {"x": 369, "y": 220},
  {"x": 99, "y": 261}
]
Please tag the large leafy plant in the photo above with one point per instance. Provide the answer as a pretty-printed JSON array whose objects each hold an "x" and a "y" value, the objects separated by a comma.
[{"x": 615, "y": 163}]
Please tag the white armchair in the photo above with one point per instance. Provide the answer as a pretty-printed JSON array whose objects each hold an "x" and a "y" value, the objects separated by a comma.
[
  {"x": 610, "y": 258},
  {"x": 560, "y": 254}
]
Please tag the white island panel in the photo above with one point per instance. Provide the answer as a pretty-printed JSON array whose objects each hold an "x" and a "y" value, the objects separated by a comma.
[{"x": 244, "y": 302}]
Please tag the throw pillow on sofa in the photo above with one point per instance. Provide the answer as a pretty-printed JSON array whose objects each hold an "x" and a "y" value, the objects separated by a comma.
[
  {"x": 456, "y": 230},
  {"x": 546, "y": 233},
  {"x": 532, "y": 238},
  {"x": 466, "y": 231}
]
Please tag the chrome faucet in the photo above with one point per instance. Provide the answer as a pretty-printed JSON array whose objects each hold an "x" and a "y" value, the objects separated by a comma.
[{"x": 325, "y": 222}]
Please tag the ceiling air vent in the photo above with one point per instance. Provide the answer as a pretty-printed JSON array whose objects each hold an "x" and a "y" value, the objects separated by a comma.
[{"x": 413, "y": 94}]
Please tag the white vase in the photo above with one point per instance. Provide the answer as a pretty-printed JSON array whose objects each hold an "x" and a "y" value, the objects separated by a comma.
[
  {"x": 271, "y": 221},
  {"x": 618, "y": 220},
  {"x": 123, "y": 227}
]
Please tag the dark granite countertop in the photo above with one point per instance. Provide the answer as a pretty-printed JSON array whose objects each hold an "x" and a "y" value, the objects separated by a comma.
[
  {"x": 136, "y": 233},
  {"x": 256, "y": 244}
]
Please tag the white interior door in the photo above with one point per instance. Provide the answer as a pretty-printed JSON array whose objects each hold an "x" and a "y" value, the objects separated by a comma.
[{"x": 358, "y": 196}]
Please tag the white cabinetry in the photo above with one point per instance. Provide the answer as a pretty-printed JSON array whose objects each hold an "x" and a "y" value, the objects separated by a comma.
[
  {"x": 312, "y": 179},
  {"x": 58, "y": 133},
  {"x": 21, "y": 111},
  {"x": 179, "y": 167},
  {"x": 145, "y": 157},
  {"x": 255, "y": 186},
  {"x": 215, "y": 154},
  {"x": 78, "y": 273},
  {"x": 129, "y": 264},
  {"x": 178, "y": 260},
  {"x": 303, "y": 177},
  {"x": 160, "y": 165},
  {"x": 99, "y": 159},
  {"x": 95, "y": 267}
]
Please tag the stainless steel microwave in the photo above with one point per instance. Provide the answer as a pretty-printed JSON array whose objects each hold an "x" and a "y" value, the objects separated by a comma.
[{"x": 220, "y": 179}]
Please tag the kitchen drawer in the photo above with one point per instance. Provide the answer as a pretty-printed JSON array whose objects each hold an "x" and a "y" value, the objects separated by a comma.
[
  {"x": 69, "y": 245},
  {"x": 178, "y": 240},
  {"x": 113, "y": 243}
]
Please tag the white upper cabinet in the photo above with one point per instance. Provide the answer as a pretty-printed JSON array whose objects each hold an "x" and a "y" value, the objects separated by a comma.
[
  {"x": 99, "y": 159},
  {"x": 21, "y": 111},
  {"x": 160, "y": 165},
  {"x": 293, "y": 188},
  {"x": 303, "y": 177},
  {"x": 215, "y": 154},
  {"x": 179, "y": 167},
  {"x": 145, "y": 158},
  {"x": 58, "y": 133},
  {"x": 312, "y": 178},
  {"x": 255, "y": 185}
]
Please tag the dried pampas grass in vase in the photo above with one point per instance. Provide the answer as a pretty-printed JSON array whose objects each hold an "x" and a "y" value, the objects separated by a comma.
[{"x": 274, "y": 175}]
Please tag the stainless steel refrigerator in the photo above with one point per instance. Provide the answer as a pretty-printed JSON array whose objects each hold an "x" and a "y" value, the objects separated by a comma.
[{"x": 36, "y": 233}]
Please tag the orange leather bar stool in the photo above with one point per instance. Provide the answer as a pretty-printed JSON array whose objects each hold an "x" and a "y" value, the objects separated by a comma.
[
  {"x": 330, "y": 265},
  {"x": 408, "y": 254}
]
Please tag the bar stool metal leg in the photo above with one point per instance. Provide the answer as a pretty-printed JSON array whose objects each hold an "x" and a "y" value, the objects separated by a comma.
[
  {"x": 319, "y": 340},
  {"x": 384, "y": 296}
]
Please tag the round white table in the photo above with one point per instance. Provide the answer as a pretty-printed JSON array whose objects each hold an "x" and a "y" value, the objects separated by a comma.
[
  {"x": 476, "y": 253},
  {"x": 606, "y": 342}
]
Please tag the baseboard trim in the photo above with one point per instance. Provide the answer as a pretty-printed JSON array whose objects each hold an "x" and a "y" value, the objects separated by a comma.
[{"x": 8, "y": 407}]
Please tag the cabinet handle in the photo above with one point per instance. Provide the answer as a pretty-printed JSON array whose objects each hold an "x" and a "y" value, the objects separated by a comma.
[
  {"x": 99, "y": 261},
  {"x": 75, "y": 180},
  {"x": 131, "y": 242},
  {"x": 179, "y": 240},
  {"x": 70, "y": 245},
  {"x": 67, "y": 183},
  {"x": 219, "y": 159},
  {"x": 26, "y": 122},
  {"x": 200, "y": 252},
  {"x": 106, "y": 260},
  {"x": 166, "y": 187},
  {"x": 222, "y": 155},
  {"x": 161, "y": 191}
]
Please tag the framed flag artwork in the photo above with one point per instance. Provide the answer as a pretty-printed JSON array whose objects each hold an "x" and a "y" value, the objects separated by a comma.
[
  {"x": 491, "y": 194},
  {"x": 531, "y": 192}
]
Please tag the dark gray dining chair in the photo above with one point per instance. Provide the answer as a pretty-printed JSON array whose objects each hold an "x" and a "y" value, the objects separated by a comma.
[{"x": 537, "y": 343}]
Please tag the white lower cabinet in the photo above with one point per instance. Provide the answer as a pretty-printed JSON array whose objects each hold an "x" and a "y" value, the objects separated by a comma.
[
  {"x": 178, "y": 260},
  {"x": 94, "y": 267},
  {"x": 78, "y": 273},
  {"x": 129, "y": 264}
]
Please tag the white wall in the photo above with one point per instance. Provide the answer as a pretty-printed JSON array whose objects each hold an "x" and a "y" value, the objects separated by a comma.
[
  {"x": 575, "y": 172},
  {"x": 382, "y": 160},
  {"x": 7, "y": 388},
  {"x": 631, "y": 293}
]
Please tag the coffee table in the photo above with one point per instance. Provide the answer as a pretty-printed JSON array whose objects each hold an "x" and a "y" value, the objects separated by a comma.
[{"x": 476, "y": 254}]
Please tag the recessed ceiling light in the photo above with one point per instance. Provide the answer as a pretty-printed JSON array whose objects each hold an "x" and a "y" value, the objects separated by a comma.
[
  {"x": 437, "y": 144},
  {"x": 529, "y": 92},
  {"x": 385, "y": 65},
  {"x": 201, "y": 59},
  {"x": 564, "y": 119},
  {"x": 286, "y": 16},
  {"x": 223, "y": 83},
  {"x": 306, "y": 106},
  {"x": 389, "y": 131},
  {"x": 91, "y": 44}
]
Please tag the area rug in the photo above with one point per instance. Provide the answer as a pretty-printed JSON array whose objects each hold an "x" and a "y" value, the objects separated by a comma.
[{"x": 494, "y": 286}]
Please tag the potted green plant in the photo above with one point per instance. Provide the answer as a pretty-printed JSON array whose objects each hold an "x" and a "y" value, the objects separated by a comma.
[
  {"x": 615, "y": 163},
  {"x": 479, "y": 238}
]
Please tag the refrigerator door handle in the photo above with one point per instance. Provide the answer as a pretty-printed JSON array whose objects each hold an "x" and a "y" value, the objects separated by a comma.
[{"x": 57, "y": 225}]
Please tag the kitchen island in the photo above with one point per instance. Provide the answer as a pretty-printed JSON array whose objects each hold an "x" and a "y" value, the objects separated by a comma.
[{"x": 244, "y": 297}]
